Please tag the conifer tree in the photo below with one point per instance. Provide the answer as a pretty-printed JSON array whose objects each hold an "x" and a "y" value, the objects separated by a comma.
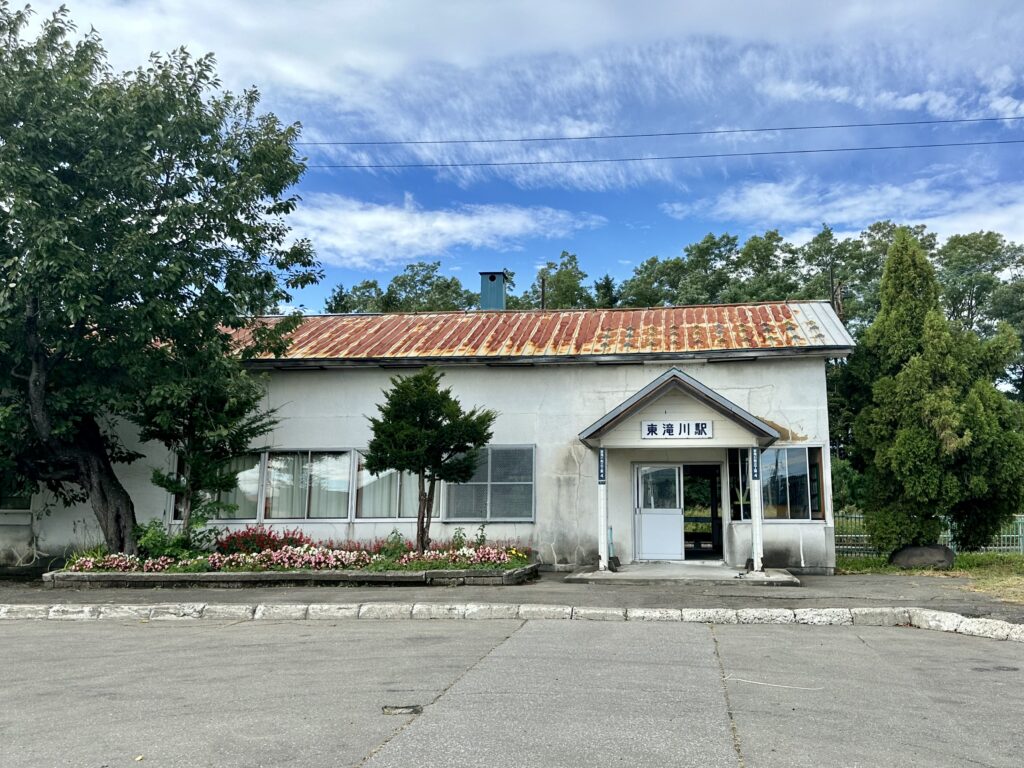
[
  {"x": 940, "y": 444},
  {"x": 422, "y": 429}
]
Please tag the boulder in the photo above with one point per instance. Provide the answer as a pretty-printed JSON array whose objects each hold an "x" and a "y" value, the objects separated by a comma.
[{"x": 931, "y": 556}]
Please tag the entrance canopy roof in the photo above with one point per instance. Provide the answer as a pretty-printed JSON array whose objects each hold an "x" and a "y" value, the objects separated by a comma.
[{"x": 675, "y": 379}]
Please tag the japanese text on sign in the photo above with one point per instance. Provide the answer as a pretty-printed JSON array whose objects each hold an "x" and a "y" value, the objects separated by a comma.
[{"x": 675, "y": 429}]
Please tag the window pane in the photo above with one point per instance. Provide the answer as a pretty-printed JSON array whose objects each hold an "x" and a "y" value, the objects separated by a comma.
[
  {"x": 774, "y": 477},
  {"x": 467, "y": 501},
  {"x": 739, "y": 484},
  {"x": 409, "y": 503},
  {"x": 511, "y": 465},
  {"x": 12, "y": 496},
  {"x": 480, "y": 474},
  {"x": 814, "y": 476},
  {"x": 287, "y": 486},
  {"x": 798, "y": 504},
  {"x": 659, "y": 488},
  {"x": 512, "y": 500},
  {"x": 245, "y": 496},
  {"x": 376, "y": 496},
  {"x": 328, "y": 484}
]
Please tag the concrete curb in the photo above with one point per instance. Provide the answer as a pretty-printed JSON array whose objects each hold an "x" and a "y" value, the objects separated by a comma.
[
  {"x": 921, "y": 618},
  {"x": 434, "y": 578}
]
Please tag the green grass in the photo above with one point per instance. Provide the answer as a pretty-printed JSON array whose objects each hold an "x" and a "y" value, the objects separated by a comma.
[{"x": 1000, "y": 574}]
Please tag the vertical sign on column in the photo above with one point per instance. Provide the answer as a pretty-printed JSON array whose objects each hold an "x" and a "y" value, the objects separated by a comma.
[
  {"x": 603, "y": 531},
  {"x": 755, "y": 463}
]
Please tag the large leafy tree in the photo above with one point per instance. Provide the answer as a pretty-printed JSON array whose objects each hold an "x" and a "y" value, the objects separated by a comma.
[
  {"x": 559, "y": 285},
  {"x": 419, "y": 287},
  {"x": 938, "y": 441},
  {"x": 653, "y": 283},
  {"x": 142, "y": 218},
  {"x": 971, "y": 269},
  {"x": 422, "y": 429},
  {"x": 363, "y": 297}
]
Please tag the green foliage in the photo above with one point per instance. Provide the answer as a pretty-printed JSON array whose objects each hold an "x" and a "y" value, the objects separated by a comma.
[
  {"x": 969, "y": 271},
  {"x": 459, "y": 538},
  {"x": 144, "y": 222},
  {"x": 418, "y": 288},
  {"x": 423, "y": 430},
  {"x": 938, "y": 441},
  {"x": 394, "y": 546},
  {"x": 154, "y": 541},
  {"x": 97, "y": 552},
  {"x": 606, "y": 293},
  {"x": 481, "y": 537},
  {"x": 207, "y": 409},
  {"x": 563, "y": 286},
  {"x": 893, "y": 526},
  {"x": 847, "y": 484}
]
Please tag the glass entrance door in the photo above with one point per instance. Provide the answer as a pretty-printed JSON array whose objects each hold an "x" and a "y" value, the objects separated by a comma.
[
  {"x": 659, "y": 512},
  {"x": 702, "y": 532}
]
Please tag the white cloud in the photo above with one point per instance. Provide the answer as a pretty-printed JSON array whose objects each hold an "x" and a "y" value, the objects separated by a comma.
[
  {"x": 398, "y": 70},
  {"x": 356, "y": 234},
  {"x": 319, "y": 43},
  {"x": 800, "y": 205}
]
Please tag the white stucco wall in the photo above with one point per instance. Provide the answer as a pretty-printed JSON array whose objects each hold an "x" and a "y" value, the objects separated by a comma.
[
  {"x": 548, "y": 406},
  {"x": 52, "y": 529},
  {"x": 544, "y": 406}
]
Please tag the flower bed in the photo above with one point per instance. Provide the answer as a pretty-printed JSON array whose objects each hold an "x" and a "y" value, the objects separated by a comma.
[{"x": 309, "y": 557}]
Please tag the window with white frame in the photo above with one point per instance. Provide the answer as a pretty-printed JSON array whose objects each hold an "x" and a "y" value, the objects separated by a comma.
[
  {"x": 501, "y": 487},
  {"x": 242, "y": 503},
  {"x": 390, "y": 494},
  {"x": 791, "y": 484},
  {"x": 317, "y": 485},
  {"x": 739, "y": 483},
  {"x": 13, "y": 497},
  {"x": 303, "y": 485}
]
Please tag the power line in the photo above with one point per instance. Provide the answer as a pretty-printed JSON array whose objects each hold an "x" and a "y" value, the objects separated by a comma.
[
  {"x": 661, "y": 134},
  {"x": 765, "y": 153}
]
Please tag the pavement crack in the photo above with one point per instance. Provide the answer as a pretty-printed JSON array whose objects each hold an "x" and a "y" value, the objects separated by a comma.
[
  {"x": 733, "y": 727},
  {"x": 452, "y": 684}
]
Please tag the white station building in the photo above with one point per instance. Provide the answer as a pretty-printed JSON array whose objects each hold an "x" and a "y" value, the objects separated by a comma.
[{"x": 663, "y": 434}]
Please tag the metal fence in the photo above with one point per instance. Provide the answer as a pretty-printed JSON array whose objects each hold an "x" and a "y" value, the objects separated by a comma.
[{"x": 852, "y": 536}]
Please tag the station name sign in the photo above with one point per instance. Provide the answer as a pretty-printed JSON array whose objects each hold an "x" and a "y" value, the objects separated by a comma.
[{"x": 674, "y": 430}]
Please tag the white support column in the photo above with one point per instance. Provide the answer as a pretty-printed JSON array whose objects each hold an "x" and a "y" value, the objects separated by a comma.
[
  {"x": 756, "y": 511},
  {"x": 602, "y": 509}
]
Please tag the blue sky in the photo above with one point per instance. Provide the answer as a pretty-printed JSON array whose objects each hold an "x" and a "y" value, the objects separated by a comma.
[{"x": 390, "y": 70}]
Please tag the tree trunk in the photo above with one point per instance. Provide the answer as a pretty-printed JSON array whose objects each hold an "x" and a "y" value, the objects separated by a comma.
[
  {"x": 186, "y": 503},
  {"x": 84, "y": 459},
  {"x": 110, "y": 501},
  {"x": 422, "y": 524},
  {"x": 427, "y": 505}
]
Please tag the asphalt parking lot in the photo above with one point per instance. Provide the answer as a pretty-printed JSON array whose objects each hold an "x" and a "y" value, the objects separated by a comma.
[{"x": 504, "y": 693}]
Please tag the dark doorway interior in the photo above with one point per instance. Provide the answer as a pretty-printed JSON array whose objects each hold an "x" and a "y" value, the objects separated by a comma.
[{"x": 702, "y": 516}]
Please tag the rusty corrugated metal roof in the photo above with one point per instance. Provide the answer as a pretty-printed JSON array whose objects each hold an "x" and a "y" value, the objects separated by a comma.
[{"x": 563, "y": 334}]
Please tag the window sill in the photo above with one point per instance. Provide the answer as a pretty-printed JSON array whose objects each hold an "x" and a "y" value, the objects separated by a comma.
[
  {"x": 776, "y": 521},
  {"x": 488, "y": 521}
]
